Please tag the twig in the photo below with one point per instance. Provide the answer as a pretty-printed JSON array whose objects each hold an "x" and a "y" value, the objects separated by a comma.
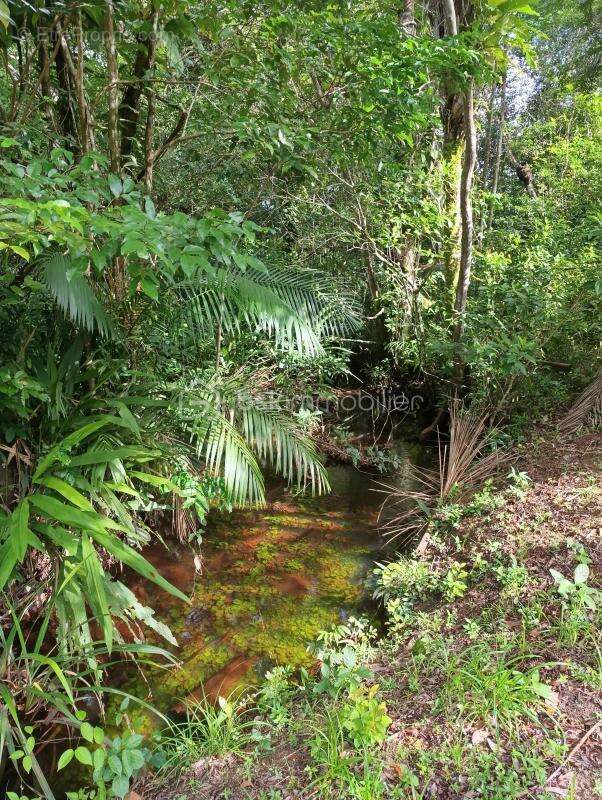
[{"x": 574, "y": 750}]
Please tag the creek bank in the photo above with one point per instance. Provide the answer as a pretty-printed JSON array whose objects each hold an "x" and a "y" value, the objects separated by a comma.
[{"x": 491, "y": 676}]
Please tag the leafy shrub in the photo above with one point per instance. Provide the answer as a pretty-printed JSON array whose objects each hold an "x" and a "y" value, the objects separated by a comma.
[
  {"x": 275, "y": 695},
  {"x": 453, "y": 583},
  {"x": 514, "y": 578},
  {"x": 405, "y": 580},
  {"x": 343, "y": 654},
  {"x": 364, "y": 718},
  {"x": 578, "y": 600}
]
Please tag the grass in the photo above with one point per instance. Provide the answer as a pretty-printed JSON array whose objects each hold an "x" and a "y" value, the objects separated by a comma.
[
  {"x": 487, "y": 686},
  {"x": 208, "y": 730}
]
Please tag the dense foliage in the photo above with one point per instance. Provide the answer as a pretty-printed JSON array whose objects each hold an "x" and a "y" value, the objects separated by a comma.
[{"x": 203, "y": 205}]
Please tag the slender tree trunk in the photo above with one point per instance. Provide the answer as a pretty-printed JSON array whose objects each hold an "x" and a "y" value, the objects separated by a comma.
[
  {"x": 76, "y": 77},
  {"x": 149, "y": 154},
  {"x": 452, "y": 158},
  {"x": 44, "y": 66},
  {"x": 487, "y": 156},
  {"x": 64, "y": 103},
  {"x": 85, "y": 122},
  {"x": 129, "y": 108},
  {"x": 79, "y": 86},
  {"x": 499, "y": 150},
  {"x": 450, "y": 18},
  {"x": 113, "y": 76},
  {"x": 452, "y": 118},
  {"x": 470, "y": 157},
  {"x": 489, "y": 135},
  {"x": 407, "y": 18}
]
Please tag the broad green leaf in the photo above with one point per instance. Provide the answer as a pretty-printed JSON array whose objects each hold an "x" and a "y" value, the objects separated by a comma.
[
  {"x": 165, "y": 484},
  {"x": 114, "y": 763},
  {"x": 115, "y": 185},
  {"x": 128, "y": 417},
  {"x": 97, "y": 597},
  {"x": 581, "y": 574},
  {"x": 68, "y": 492},
  {"x": 74, "y": 438},
  {"x": 4, "y": 20},
  {"x": 87, "y": 731},
  {"x": 60, "y": 537},
  {"x": 134, "y": 560},
  {"x": 66, "y": 758},
  {"x": 120, "y": 786},
  {"x": 8, "y": 561},
  {"x": 84, "y": 756},
  {"x": 73, "y": 517},
  {"x": 99, "y": 758},
  {"x": 104, "y": 456},
  {"x": 50, "y": 662}
]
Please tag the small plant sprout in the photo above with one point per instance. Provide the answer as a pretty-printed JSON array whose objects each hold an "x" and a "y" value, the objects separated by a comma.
[
  {"x": 520, "y": 482},
  {"x": 577, "y": 600}
]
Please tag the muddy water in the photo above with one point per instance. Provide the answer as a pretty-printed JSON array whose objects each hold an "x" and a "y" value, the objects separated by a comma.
[{"x": 270, "y": 581}]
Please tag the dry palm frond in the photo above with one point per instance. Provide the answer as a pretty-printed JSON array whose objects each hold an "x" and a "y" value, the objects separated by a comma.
[
  {"x": 465, "y": 463},
  {"x": 588, "y": 404}
]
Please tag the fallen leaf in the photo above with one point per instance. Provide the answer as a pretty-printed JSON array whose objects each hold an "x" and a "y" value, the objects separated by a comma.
[
  {"x": 479, "y": 736},
  {"x": 552, "y": 701}
]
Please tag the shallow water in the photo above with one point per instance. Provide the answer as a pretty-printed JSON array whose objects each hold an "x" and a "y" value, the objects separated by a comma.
[{"x": 271, "y": 579}]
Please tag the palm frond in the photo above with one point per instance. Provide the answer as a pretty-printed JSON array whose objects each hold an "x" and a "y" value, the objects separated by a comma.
[
  {"x": 588, "y": 404},
  {"x": 74, "y": 295},
  {"x": 226, "y": 452},
  {"x": 465, "y": 463},
  {"x": 234, "y": 428},
  {"x": 292, "y": 308}
]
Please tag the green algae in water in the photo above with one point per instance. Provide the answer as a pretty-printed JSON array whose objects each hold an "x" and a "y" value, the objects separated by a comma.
[{"x": 271, "y": 582}]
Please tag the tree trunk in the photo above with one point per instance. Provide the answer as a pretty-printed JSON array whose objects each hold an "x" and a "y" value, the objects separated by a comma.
[
  {"x": 489, "y": 136},
  {"x": 452, "y": 158},
  {"x": 129, "y": 108},
  {"x": 44, "y": 66},
  {"x": 85, "y": 129},
  {"x": 487, "y": 156},
  {"x": 470, "y": 157},
  {"x": 452, "y": 118},
  {"x": 149, "y": 154},
  {"x": 407, "y": 18},
  {"x": 113, "y": 76},
  {"x": 498, "y": 154},
  {"x": 450, "y": 18},
  {"x": 64, "y": 102}
]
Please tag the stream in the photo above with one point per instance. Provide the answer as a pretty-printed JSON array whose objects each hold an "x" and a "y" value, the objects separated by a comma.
[{"x": 270, "y": 581}]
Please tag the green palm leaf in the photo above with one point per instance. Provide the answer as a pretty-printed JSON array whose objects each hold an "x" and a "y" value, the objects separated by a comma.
[
  {"x": 233, "y": 430},
  {"x": 74, "y": 295},
  {"x": 294, "y": 309}
]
